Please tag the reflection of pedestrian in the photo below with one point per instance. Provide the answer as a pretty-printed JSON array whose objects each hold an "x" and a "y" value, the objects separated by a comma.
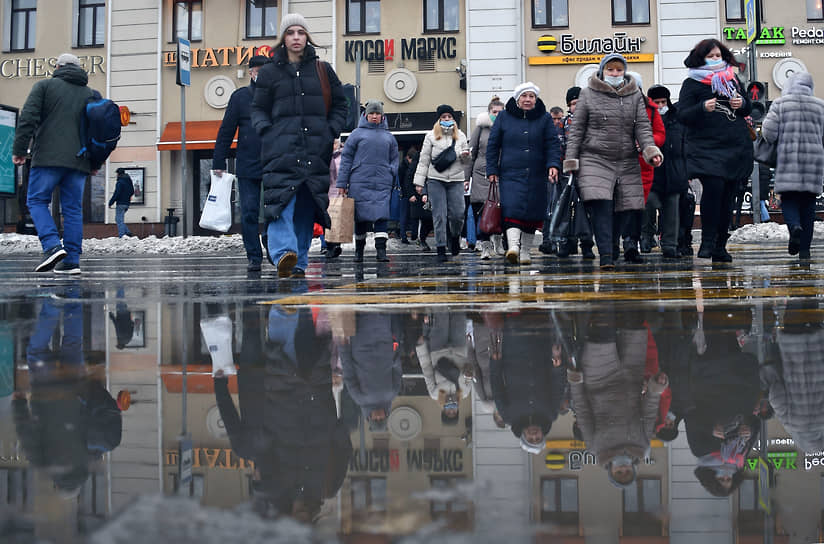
[
  {"x": 122, "y": 197},
  {"x": 124, "y": 325},
  {"x": 52, "y": 116}
]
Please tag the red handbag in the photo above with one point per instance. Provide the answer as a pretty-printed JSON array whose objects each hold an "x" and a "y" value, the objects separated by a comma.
[{"x": 490, "y": 222}]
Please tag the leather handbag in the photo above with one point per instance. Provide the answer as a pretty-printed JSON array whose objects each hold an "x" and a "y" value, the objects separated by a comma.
[
  {"x": 490, "y": 222},
  {"x": 445, "y": 158},
  {"x": 765, "y": 152}
]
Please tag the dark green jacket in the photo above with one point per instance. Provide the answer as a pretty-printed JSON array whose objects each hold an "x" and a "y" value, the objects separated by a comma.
[{"x": 52, "y": 115}]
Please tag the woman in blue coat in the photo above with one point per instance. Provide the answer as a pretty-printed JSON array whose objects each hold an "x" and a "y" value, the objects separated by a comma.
[
  {"x": 523, "y": 152},
  {"x": 368, "y": 167}
]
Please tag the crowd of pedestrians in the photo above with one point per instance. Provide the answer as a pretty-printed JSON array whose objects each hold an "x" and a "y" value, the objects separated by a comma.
[{"x": 624, "y": 159}]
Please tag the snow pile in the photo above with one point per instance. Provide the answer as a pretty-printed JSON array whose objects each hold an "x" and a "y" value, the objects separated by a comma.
[
  {"x": 20, "y": 244},
  {"x": 769, "y": 232}
]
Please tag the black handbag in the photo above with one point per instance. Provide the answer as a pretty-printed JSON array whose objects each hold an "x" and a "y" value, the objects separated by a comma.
[
  {"x": 765, "y": 152},
  {"x": 445, "y": 158}
]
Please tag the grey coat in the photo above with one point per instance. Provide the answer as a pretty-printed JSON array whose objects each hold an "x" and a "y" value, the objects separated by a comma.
[
  {"x": 796, "y": 122},
  {"x": 602, "y": 143},
  {"x": 476, "y": 168}
]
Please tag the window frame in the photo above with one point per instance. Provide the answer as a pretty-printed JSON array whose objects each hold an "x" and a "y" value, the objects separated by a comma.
[
  {"x": 93, "y": 5},
  {"x": 266, "y": 5},
  {"x": 817, "y": 19},
  {"x": 362, "y": 31},
  {"x": 27, "y": 39},
  {"x": 629, "y": 22},
  {"x": 441, "y": 11},
  {"x": 548, "y": 4},
  {"x": 189, "y": 26},
  {"x": 738, "y": 19}
]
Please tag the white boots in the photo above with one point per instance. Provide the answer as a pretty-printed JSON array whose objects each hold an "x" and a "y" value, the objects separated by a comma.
[
  {"x": 513, "y": 238},
  {"x": 497, "y": 244},
  {"x": 526, "y": 245},
  {"x": 486, "y": 250}
]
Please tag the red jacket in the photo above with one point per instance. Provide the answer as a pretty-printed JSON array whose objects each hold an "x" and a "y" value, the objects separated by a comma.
[{"x": 659, "y": 134}]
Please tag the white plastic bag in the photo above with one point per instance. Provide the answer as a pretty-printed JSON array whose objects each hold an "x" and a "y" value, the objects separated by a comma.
[
  {"x": 217, "y": 334},
  {"x": 217, "y": 210}
]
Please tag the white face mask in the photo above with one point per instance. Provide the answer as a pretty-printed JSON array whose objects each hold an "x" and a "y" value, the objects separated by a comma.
[
  {"x": 663, "y": 109},
  {"x": 614, "y": 81}
]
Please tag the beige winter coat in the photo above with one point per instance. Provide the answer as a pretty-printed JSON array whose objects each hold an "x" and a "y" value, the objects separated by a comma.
[
  {"x": 476, "y": 168},
  {"x": 602, "y": 143},
  {"x": 432, "y": 148}
]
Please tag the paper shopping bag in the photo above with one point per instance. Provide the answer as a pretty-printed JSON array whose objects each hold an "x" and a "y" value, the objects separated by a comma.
[
  {"x": 342, "y": 212},
  {"x": 217, "y": 210}
]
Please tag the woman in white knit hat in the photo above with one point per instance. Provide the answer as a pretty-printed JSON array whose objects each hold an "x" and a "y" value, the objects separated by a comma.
[
  {"x": 523, "y": 153},
  {"x": 298, "y": 110}
]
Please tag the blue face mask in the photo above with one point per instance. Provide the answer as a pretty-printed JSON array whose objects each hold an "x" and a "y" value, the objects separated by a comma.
[
  {"x": 493, "y": 116},
  {"x": 714, "y": 62},
  {"x": 447, "y": 124}
]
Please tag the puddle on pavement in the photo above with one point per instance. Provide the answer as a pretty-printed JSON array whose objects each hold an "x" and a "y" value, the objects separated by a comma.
[{"x": 598, "y": 419}]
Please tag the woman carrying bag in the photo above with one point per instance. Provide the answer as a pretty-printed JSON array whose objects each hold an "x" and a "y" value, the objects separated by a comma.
[
  {"x": 444, "y": 152},
  {"x": 476, "y": 169},
  {"x": 795, "y": 124}
]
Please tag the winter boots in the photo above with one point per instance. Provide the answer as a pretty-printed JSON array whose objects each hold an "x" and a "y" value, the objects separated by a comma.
[
  {"x": 497, "y": 244},
  {"x": 360, "y": 245},
  {"x": 526, "y": 245},
  {"x": 486, "y": 250},
  {"x": 513, "y": 238},
  {"x": 380, "y": 250},
  {"x": 442, "y": 254}
]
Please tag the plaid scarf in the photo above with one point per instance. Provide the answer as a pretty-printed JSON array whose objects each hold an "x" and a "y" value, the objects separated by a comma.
[{"x": 721, "y": 79}]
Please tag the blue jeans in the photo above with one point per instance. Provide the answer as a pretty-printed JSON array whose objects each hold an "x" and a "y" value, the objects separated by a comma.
[
  {"x": 42, "y": 182},
  {"x": 404, "y": 219},
  {"x": 249, "y": 190},
  {"x": 799, "y": 209},
  {"x": 70, "y": 353},
  {"x": 120, "y": 219},
  {"x": 294, "y": 229}
]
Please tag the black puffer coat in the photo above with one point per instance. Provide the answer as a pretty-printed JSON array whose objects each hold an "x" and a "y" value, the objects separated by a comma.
[
  {"x": 289, "y": 115},
  {"x": 716, "y": 145},
  {"x": 237, "y": 118},
  {"x": 672, "y": 178}
]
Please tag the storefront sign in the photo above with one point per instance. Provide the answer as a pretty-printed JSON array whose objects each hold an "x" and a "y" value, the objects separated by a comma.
[
  {"x": 569, "y": 45},
  {"x": 212, "y": 458},
  {"x": 780, "y": 460},
  {"x": 218, "y": 56},
  {"x": 30, "y": 67},
  {"x": 807, "y": 36},
  {"x": 411, "y": 49},
  {"x": 770, "y": 35},
  {"x": 587, "y": 59},
  {"x": 417, "y": 460}
]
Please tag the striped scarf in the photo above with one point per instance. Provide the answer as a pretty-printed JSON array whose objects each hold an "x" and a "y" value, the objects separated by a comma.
[{"x": 721, "y": 79}]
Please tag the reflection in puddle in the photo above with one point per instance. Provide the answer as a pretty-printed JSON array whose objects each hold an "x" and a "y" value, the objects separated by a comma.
[{"x": 599, "y": 420}]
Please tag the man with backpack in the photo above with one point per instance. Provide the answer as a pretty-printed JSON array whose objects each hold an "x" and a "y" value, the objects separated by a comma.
[
  {"x": 52, "y": 115},
  {"x": 123, "y": 192}
]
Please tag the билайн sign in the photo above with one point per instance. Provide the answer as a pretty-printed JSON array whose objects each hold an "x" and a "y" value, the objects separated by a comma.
[{"x": 590, "y": 50}]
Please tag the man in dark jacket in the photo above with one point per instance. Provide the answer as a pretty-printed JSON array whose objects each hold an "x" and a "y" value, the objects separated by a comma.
[
  {"x": 123, "y": 191},
  {"x": 52, "y": 116},
  {"x": 669, "y": 181},
  {"x": 237, "y": 118}
]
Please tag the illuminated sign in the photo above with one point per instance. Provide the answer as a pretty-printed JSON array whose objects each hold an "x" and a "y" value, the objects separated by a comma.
[
  {"x": 619, "y": 42},
  {"x": 807, "y": 36},
  {"x": 411, "y": 49},
  {"x": 210, "y": 57},
  {"x": 212, "y": 458},
  {"x": 770, "y": 35},
  {"x": 781, "y": 460}
]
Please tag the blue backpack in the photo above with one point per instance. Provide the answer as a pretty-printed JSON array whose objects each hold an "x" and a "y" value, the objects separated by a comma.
[{"x": 99, "y": 129}]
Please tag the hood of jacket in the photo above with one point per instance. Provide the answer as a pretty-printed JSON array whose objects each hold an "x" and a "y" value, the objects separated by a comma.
[
  {"x": 799, "y": 83},
  {"x": 73, "y": 74},
  {"x": 363, "y": 123},
  {"x": 629, "y": 87},
  {"x": 609, "y": 58},
  {"x": 535, "y": 113},
  {"x": 281, "y": 57},
  {"x": 483, "y": 120}
]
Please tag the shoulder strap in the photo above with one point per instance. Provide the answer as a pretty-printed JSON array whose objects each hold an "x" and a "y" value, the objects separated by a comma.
[{"x": 323, "y": 76}]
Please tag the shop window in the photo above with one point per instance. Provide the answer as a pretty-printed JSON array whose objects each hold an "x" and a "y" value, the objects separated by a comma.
[
  {"x": 630, "y": 12},
  {"x": 735, "y": 11},
  {"x": 363, "y": 16},
  {"x": 455, "y": 511},
  {"x": 368, "y": 496},
  {"x": 23, "y": 20},
  {"x": 15, "y": 487},
  {"x": 195, "y": 488},
  {"x": 815, "y": 12},
  {"x": 441, "y": 15},
  {"x": 642, "y": 508},
  {"x": 559, "y": 502},
  {"x": 261, "y": 18},
  {"x": 550, "y": 13},
  {"x": 91, "y": 23},
  {"x": 750, "y": 519},
  {"x": 188, "y": 20}
]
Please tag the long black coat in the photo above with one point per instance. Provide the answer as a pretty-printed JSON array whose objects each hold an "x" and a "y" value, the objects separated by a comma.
[
  {"x": 289, "y": 115},
  {"x": 673, "y": 177},
  {"x": 522, "y": 147},
  {"x": 716, "y": 145},
  {"x": 237, "y": 117}
]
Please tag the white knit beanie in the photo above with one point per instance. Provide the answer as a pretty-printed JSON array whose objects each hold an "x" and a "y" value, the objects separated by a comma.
[
  {"x": 292, "y": 19},
  {"x": 525, "y": 87}
]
